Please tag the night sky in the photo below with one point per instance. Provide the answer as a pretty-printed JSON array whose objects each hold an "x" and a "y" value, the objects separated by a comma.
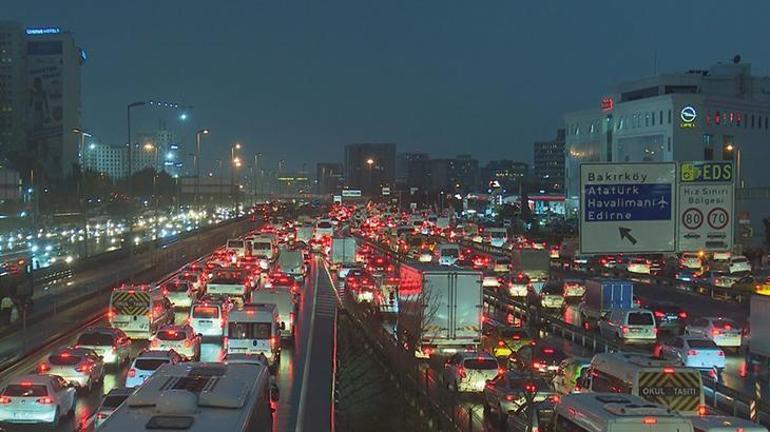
[{"x": 300, "y": 79}]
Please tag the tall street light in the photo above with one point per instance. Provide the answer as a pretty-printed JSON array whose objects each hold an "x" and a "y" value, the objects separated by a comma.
[
  {"x": 83, "y": 206},
  {"x": 149, "y": 147},
  {"x": 198, "y": 166},
  {"x": 130, "y": 170},
  {"x": 370, "y": 163},
  {"x": 236, "y": 165}
]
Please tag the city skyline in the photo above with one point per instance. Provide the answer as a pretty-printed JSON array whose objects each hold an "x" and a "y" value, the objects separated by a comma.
[{"x": 461, "y": 80}]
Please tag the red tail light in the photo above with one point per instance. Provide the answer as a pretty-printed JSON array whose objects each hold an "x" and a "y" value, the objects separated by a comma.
[
  {"x": 291, "y": 319},
  {"x": 692, "y": 352},
  {"x": 4, "y": 400},
  {"x": 720, "y": 353},
  {"x": 275, "y": 341},
  {"x": 715, "y": 332},
  {"x": 668, "y": 370},
  {"x": 45, "y": 401},
  {"x": 110, "y": 313},
  {"x": 500, "y": 344},
  {"x": 188, "y": 343},
  {"x": 132, "y": 372},
  {"x": 624, "y": 329},
  {"x": 509, "y": 397},
  {"x": 659, "y": 314},
  {"x": 86, "y": 368},
  {"x": 154, "y": 343},
  {"x": 650, "y": 421},
  {"x": 461, "y": 371},
  {"x": 683, "y": 315}
]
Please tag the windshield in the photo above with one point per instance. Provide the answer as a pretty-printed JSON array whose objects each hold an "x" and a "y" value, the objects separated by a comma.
[
  {"x": 177, "y": 287},
  {"x": 640, "y": 318},
  {"x": 702, "y": 344},
  {"x": 64, "y": 359},
  {"x": 94, "y": 339},
  {"x": 235, "y": 244},
  {"x": 262, "y": 245},
  {"x": 480, "y": 364},
  {"x": 22, "y": 390},
  {"x": 171, "y": 335},
  {"x": 146, "y": 364},
  {"x": 113, "y": 401},
  {"x": 454, "y": 253},
  {"x": 249, "y": 330},
  {"x": 324, "y": 225},
  {"x": 205, "y": 312}
]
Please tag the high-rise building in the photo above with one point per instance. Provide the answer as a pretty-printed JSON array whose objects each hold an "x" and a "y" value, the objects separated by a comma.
[
  {"x": 722, "y": 113},
  {"x": 105, "y": 159},
  {"x": 370, "y": 166},
  {"x": 548, "y": 170},
  {"x": 505, "y": 174},
  {"x": 13, "y": 87},
  {"x": 53, "y": 63},
  {"x": 466, "y": 174},
  {"x": 328, "y": 178}
]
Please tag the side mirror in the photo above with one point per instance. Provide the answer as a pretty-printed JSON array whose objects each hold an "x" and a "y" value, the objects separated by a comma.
[{"x": 283, "y": 325}]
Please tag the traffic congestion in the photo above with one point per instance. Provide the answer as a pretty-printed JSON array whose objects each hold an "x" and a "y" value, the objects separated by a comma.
[{"x": 468, "y": 301}]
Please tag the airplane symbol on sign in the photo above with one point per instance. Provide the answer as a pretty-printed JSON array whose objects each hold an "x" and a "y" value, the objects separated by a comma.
[{"x": 662, "y": 203}]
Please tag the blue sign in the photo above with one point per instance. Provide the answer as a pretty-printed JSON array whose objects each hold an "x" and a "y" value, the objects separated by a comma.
[
  {"x": 627, "y": 202},
  {"x": 43, "y": 31}
]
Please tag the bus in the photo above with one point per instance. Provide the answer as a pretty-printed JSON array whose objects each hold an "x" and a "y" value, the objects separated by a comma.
[
  {"x": 612, "y": 412},
  {"x": 198, "y": 397},
  {"x": 658, "y": 381}
]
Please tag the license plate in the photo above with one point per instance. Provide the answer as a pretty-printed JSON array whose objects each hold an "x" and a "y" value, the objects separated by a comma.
[
  {"x": 205, "y": 323},
  {"x": 635, "y": 330}
]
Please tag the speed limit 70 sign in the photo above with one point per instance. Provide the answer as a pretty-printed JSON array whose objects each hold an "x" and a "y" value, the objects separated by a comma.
[{"x": 705, "y": 194}]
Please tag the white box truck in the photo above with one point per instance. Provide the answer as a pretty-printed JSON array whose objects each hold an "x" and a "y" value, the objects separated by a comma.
[
  {"x": 343, "y": 253},
  {"x": 439, "y": 309},
  {"x": 759, "y": 328}
]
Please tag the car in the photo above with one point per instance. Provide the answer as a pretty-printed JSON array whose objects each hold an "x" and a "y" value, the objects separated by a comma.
[
  {"x": 180, "y": 338},
  {"x": 469, "y": 371},
  {"x": 180, "y": 293},
  {"x": 539, "y": 358},
  {"x": 692, "y": 351},
  {"x": 668, "y": 316},
  {"x": 36, "y": 399},
  {"x": 193, "y": 276},
  {"x": 571, "y": 375},
  {"x": 723, "y": 331},
  {"x": 507, "y": 392},
  {"x": 687, "y": 275},
  {"x": 638, "y": 265},
  {"x": 574, "y": 289},
  {"x": 504, "y": 341},
  {"x": 690, "y": 260},
  {"x": 551, "y": 296},
  {"x": 425, "y": 256},
  {"x": 110, "y": 403},
  {"x": 81, "y": 367},
  {"x": 629, "y": 325},
  {"x": 146, "y": 363},
  {"x": 490, "y": 280},
  {"x": 516, "y": 286},
  {"x": 759, "y": 284},
  {"x": 536, "y": 417},
  {"x": 110, "y": 343}
]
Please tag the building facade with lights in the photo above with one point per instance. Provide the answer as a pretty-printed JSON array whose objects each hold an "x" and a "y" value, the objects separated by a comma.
[
  {"x": 370, "y": 166},
  {"x": 722, "y": 113},
  {"x": 548, "y": 169}
]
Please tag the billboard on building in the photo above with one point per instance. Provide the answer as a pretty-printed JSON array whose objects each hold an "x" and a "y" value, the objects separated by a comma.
[{"x": 45, "y": 108}]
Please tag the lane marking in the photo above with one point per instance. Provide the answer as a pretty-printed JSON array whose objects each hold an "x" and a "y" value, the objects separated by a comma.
[{"x": 306, "y": 368}]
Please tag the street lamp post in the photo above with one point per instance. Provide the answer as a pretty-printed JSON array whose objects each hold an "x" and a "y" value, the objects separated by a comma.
[
  {"x": 130, "y": 183},
  {"x": 370, "y": 163},
  {"x": 198, "y": 165},
  {"x": 82, "y": 201},
  {"x": 236, "y": 164}
]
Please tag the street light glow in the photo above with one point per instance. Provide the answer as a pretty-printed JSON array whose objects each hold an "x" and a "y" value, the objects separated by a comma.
[
  {"x": 237, "y": 146},
  {"x": 183, "y": 116},
  {"x": 370, "y": 161},
  {"x": 729, "y": 147},
  {"x": 149, "y": 146}
]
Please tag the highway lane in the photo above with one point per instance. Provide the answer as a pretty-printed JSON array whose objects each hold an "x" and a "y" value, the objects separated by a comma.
[{"x": 290, "y": 374}]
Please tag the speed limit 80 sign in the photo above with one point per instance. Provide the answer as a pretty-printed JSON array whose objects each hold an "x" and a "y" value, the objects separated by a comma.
[{"x": 706, "y": 200}]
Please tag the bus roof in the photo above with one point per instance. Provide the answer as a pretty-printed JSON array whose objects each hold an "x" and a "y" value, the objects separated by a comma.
[
  {"x": 625, "y": 365},
  {"x": 254, "y": 313},
  {"x": 599, "y": 410},
  {"x": 194, "y": 397}
]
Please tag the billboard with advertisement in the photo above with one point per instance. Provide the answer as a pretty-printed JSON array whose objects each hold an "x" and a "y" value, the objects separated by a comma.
[{"x": 45, "y": 108}]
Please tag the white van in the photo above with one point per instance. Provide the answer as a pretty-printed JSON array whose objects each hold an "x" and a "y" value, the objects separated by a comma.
[
  {"x": 139, "y": 310},
  {"x": 613, "y": 412},
  {"x": 448, "y": 254},
  {"x": 719, "y": 423},
  {"x": 496, "y": 237},
  {"x": 629, "y": 325},
  {"x": 263, "y": 247},
  {"x": 236, "y": 245},
  {"x": 209, "y": 318},
  {"x": 285, "y": 300},
  {"x": 254, "y": 329},
  {"x": 323, "y": 228}
]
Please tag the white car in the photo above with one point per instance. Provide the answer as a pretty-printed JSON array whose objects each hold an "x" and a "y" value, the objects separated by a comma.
[
  {"x": 629, "y": 325},
  {"x": 81, "y": 367},
  {"x": 693, "y": 351},
  {"x": 739, "y": 264},
  {"x": 180, "y": 293},
  {"x": 36, "y": 399},
  {"x": 110, "y": 343},
  {"x": 690, "y": 260},
  {"x": 469, "y": 371},
  {"x": 425, "y": 256},
  {"x": 638, "y": 266},
  {"x": 723, "y": 331},
  {"x": 146, "y": 363},
  {"x": 181, "y": 339}
]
